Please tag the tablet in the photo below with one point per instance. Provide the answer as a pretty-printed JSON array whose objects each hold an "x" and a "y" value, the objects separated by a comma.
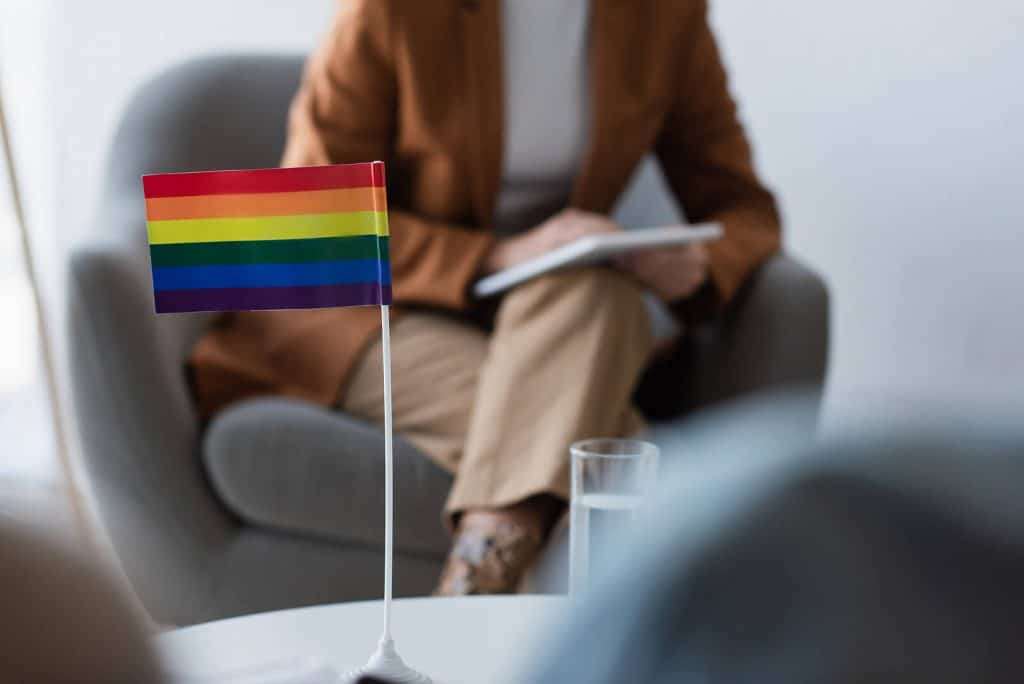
[{"x": 594, "y": 249}]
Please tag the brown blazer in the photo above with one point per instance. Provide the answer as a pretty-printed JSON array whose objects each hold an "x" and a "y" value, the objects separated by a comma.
[{"x": 419, "y": 85}]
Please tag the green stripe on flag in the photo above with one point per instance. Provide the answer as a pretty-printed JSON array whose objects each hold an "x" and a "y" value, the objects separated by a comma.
[{"x": 268, "y": 251}]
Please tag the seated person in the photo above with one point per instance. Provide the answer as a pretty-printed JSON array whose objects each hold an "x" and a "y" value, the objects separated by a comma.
[{"x": 509, "y": 129}]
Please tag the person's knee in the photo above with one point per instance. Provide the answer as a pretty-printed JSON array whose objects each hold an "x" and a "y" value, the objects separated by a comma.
[
  {"x": 601, "y": 287},
  {"x": 591, "y": 291}
]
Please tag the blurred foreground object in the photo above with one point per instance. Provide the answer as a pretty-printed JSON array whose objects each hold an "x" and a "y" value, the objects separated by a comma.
[
  {"x": 63, "y": 620},
  {"x": 878, "y": 559}
]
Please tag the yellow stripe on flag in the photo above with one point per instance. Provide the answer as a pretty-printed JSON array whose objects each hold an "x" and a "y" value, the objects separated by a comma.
[{"x": 268, "y": 228}]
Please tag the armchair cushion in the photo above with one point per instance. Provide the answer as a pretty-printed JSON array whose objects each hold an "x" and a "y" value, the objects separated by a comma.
[{"x": 287, "y": 465}]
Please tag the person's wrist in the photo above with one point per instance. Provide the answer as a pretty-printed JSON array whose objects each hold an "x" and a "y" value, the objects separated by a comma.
[{"x": 497, "y": 258}]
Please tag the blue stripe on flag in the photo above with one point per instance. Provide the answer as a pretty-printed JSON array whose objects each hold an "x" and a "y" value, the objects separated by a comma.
[{"x": 344, "y": 272}]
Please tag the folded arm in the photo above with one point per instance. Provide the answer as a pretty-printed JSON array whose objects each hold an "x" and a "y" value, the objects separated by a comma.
[{"x": 707, "y": 162}]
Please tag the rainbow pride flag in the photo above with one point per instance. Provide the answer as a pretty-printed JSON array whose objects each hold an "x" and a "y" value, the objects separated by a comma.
[{"x": 297, "y": 238}]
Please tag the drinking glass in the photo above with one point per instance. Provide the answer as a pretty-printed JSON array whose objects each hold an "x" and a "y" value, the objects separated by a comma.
[{"x": 611, "y": 480}]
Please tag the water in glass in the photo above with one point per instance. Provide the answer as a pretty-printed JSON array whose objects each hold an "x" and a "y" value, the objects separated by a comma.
[{"x": 611, "y": 480}]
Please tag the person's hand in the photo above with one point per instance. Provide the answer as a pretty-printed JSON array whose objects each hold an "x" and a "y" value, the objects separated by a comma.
[
  {"x": 672, "y": 273},
  {"x": 560, "y": 229}
]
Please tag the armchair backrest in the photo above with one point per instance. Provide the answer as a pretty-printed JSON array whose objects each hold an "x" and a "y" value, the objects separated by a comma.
[{"x": 138, "y": 428}]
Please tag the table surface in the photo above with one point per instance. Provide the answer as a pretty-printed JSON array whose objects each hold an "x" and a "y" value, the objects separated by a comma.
[{"x": 453, "y": 640}]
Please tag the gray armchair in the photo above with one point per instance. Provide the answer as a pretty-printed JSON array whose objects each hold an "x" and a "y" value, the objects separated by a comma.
[{"x": 278, "y": 503}]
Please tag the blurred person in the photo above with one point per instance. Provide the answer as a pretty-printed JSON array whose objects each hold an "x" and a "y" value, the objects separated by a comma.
[
  {"x": 509, "y": 129},
  {"x": 890, "y": 558},
  {"x": 63, "y": 620}
]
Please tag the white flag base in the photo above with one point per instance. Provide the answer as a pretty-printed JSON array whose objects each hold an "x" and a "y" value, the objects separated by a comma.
[{"x": 386, "y": 664}]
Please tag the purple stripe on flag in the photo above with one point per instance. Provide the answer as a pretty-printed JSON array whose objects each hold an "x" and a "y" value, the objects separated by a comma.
[{"x": 261, "y": 298}]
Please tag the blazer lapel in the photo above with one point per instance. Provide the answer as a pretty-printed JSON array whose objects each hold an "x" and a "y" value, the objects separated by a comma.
[
  {"x": 613, "y": 41},
  {"x": 485, "y": 124}
]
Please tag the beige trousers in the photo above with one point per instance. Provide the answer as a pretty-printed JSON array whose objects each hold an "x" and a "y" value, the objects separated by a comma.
[{"x": 499, "y": 411}]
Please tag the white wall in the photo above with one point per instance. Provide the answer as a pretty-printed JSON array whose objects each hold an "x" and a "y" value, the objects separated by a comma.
[
  {"x": 69, "y": 67},
  {"x": 96, "y": 53},
  {"x": 25, "y": 63},
  {"x": 891, "y": 130},
  {"x": 894, "y": 134}
]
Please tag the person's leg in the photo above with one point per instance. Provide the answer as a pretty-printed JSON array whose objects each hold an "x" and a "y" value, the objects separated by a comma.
[
  {"x": 435, "y": 364},
  {"x": 564, "y": 357}
]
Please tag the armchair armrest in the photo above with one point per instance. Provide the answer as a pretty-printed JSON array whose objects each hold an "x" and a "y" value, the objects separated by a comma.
[
  {"x": 776, "y": 333},
  {"x": 138, "y": 429}
]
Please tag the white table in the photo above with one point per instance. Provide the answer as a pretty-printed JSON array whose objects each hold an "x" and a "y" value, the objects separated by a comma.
[{"x": 453, "y": 640}]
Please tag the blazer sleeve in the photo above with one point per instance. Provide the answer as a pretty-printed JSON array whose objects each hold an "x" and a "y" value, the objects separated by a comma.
[
  {"x": 707, "y": 162},
  {"x": 345, "y": 112}
]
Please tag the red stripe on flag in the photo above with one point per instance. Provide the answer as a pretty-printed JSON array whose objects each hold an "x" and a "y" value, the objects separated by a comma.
[{"x": 301, "y": 179}]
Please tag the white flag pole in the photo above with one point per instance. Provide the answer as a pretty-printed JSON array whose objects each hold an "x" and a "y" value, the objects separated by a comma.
[
  {"x": 389, "y": 471},
  {"x": 385, "y": 663}
]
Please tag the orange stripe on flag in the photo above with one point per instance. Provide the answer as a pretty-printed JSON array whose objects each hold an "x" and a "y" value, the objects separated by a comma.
[{"x": 265, "y": 204}]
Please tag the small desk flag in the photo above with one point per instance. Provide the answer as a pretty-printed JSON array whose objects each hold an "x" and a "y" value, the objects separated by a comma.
[{"x": 297, "y": 238}]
